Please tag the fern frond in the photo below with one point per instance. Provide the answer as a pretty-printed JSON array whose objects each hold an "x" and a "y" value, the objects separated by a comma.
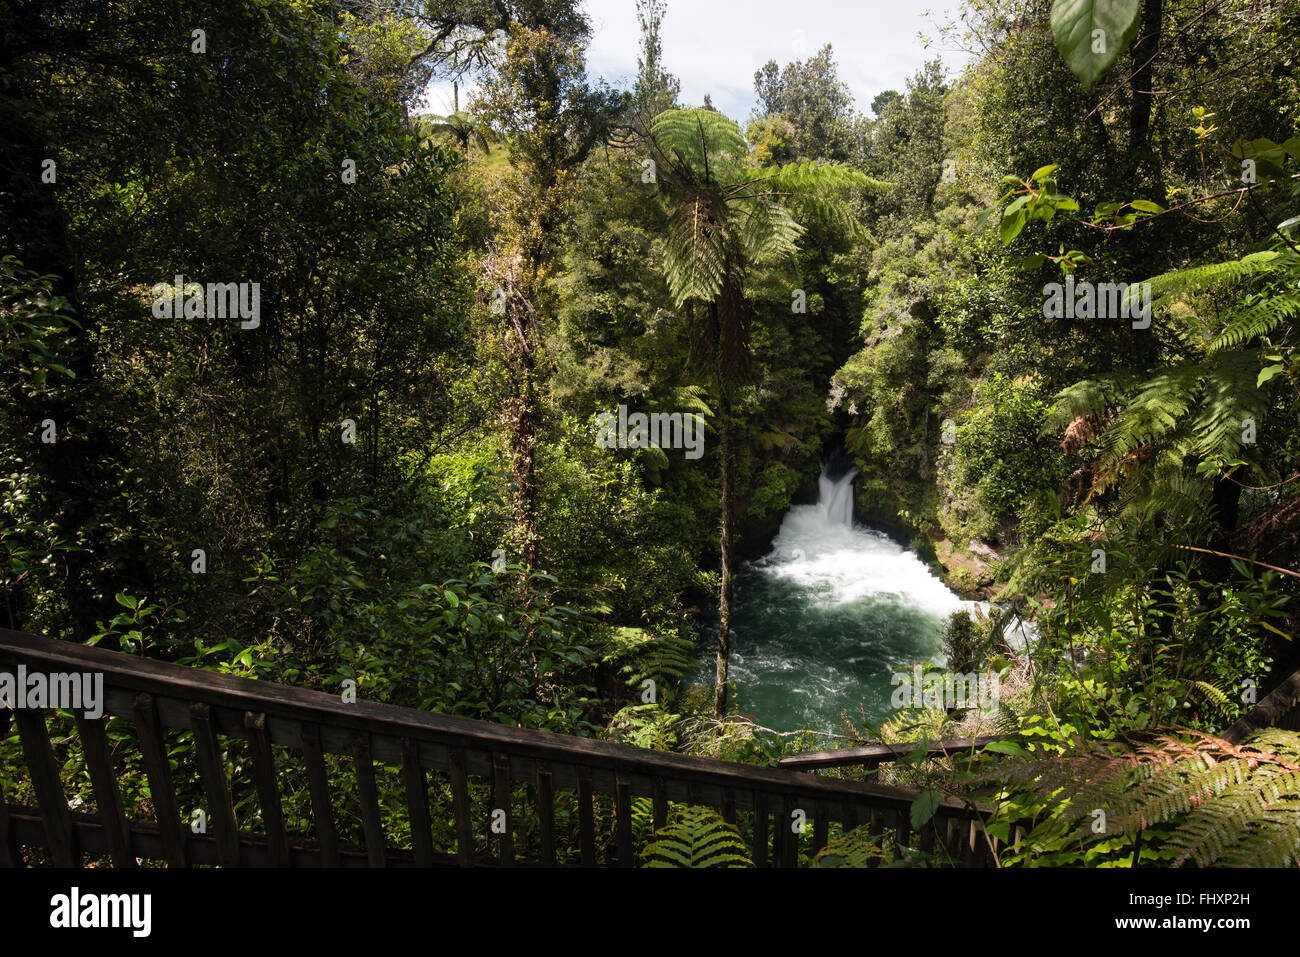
[
  {"x": 696, "y": 837},
  {"x": 857, "y": 848},
  {"x": 698, "y": 141}
]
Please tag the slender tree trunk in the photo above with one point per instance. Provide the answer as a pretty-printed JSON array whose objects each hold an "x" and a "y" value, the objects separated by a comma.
[
  {"x": 524, "y": 424},
  {"x": 724, "y": 540},
  {"x": 1139, "y": 137}
]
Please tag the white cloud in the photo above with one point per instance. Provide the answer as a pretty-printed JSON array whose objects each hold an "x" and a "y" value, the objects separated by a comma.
[{"x": 715, "y": 46}]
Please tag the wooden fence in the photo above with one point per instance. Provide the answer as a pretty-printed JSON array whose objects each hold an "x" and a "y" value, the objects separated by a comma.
[{"x": 507, "y": 787}]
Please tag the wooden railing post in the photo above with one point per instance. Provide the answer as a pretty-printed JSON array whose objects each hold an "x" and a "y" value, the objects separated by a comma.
[
  {"x": 153, "y": 748},
  {"x": 376, "y": 850},
  {"x": 321, "y": 805},
  {"x": 94, "y": 744},
  {"x": 417, "y": 803},
  {"x": 220, "y": 813},
  {"x": 49, "y": 790},
  {"x": 501, "y": 795},
  {"x": 461, "y": 808}
]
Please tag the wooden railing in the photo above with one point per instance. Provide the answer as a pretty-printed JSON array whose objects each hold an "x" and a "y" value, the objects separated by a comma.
[
  {"x": 1277, "y": 709},
  {"x": 871, "y": 756},
  {"x": 516, "y": 795}
]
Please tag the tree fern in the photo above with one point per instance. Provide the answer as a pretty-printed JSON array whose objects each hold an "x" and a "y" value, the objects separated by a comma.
[
  {"x": 1205, "y": 800},
  {"x": 696, "y": 837},
  {"x": 1150, "y": 431}
]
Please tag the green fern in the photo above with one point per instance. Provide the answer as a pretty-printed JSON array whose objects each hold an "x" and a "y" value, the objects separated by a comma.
[
  {"x": 1202, "y": 800},
  {"x": 856, "y": 848},
  {"x": 1149, "y": 433},
  {"x": 696, "y": 837},
  {"x": 639, "y": 654}
]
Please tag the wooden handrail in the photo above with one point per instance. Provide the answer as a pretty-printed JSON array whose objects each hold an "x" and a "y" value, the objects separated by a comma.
[
  {"x": 873, "y": 755},
  {"x": 156, "y": 696},
  {"x": 1277, "y": 709}
]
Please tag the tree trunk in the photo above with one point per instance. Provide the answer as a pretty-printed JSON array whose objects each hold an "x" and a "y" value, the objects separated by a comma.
[
  {"x": 524, "y": 423},
  {"x": 724, "y": 541},
  {"x": 1139, "y": 127}
]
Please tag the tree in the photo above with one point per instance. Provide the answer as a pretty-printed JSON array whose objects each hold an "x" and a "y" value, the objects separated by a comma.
[
  {"x": 725, "y": 220},
  {"x": 656, "y": 89},
  {"x": 811, "y": 97},
  {"x": 551, "y": 117}
]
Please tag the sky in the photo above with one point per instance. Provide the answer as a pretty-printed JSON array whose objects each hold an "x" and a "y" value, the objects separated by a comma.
[{"x": 714, "y": 46}]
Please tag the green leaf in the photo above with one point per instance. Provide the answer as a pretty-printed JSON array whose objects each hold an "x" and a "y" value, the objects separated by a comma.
[
  {"x": 1146, "y": 206},
  {"x": 1011, "y": 226},
  {"x": 1043, "y": 172},
  {"x": 1267, "y": 373},
  {"x": 924, "y": 806},
  {"x": 126, "y": 601},
  {"x": 1016, "y": 204},
  {"x": 452, "y": 599},
  {"x": 1005, "y": 747},
  {"x": 1075, "y": 25}
]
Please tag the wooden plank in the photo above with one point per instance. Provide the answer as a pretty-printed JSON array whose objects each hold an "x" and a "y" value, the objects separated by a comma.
[
  {"x": 790, "y": 846},
  {"x": 729, "y": 805},
  {"x": 461, "y": 808},
  {"x": 153, "y": 749},
  {"x": 546, "y": 815},
  {"x": 760, "y": 830},
  {"x": 848, "y": 816},
  {"x": 369, "y": 797},
  {"x": 955, "y": 837},
  {"x": 55, "y": 814},
  {"x": 221, "y": 815},
  {"x": 417, "y": 804},
  {"x": 925, "y": 837},
  {"x": 1275, "y": 709},
  {"x": 821, "y": 825},
  {"x": 623, "y": 823},
  {"x": 970, "y": 843},
  {"x": 268, "y": 789},
  {"x": 779, "y": 832},
  {"x": 902, "y": 830},
  {"x": 873, "y": 755},
  {"x": 501, "y": 798},
  {"x": 586, "y": 822},
  {"x": 94, "y": 744},
  {"x": 322, "y": 807},
  {"x": 659, "y": 798}
]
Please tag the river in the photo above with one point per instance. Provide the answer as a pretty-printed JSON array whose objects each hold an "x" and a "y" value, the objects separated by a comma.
[{"x": 825, "y": 619}]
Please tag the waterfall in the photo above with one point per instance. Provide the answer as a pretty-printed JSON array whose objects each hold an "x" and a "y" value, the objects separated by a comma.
[
  {"x": 819, "y": 548},
  {"x": 829, "y": 615},
  {"x": 835, "y": 497}
]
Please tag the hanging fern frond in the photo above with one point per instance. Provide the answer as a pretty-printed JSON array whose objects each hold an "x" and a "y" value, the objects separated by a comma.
[
  {"x": 695, "y": 255},
  {"x": 696, "y": 837},
  {"x": 1197, "y": 278},
  {"x": 1257, "y": 320}
]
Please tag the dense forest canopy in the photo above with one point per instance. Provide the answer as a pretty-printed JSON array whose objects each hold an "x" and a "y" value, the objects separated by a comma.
[{"x": 484, "y": 412}]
